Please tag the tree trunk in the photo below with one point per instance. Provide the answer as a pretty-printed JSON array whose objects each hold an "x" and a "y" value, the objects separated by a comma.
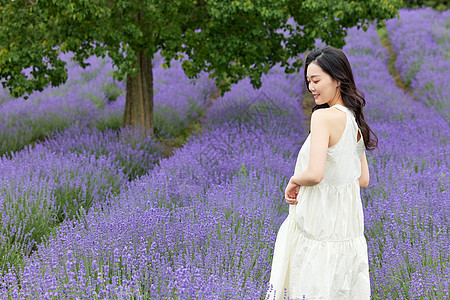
[{"x": 139, "y": 99}]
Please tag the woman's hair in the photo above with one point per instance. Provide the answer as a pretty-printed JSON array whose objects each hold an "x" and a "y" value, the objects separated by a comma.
[{"x": 334, "y": 62}]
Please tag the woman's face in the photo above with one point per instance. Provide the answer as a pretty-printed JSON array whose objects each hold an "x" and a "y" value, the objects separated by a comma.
[{"x": 324, "y": 88}]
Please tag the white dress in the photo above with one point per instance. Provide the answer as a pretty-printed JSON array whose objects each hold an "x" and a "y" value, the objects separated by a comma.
[{"x": 320, "y": 251}]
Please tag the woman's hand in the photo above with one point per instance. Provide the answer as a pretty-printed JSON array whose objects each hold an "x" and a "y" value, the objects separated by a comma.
[{"x": 291, "y": 193}]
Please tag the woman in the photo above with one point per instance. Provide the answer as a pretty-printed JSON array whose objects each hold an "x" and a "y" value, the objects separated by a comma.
[{"x": 321, "y": 251}]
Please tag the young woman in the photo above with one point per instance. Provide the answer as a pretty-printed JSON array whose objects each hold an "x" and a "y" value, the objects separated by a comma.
[{"x": 321, "y": 251}]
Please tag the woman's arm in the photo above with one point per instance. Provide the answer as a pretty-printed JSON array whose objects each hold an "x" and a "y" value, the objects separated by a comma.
[
  {"x": 364, "y": 178},
  {"x": 320, "y": 135}
]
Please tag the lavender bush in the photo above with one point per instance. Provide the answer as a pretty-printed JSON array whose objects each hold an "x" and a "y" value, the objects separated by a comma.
[
  {"x": 278, "y": 96},
  {"x": 200, "y": 255},
  {"x": 420, "y": 39},
  {"x": 39, "y": 189},
  {"x": 134, "y": 152}
]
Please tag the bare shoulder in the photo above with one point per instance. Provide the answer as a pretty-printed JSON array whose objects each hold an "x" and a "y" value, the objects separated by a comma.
[
  {"x": 329, "y": 118},
  {"x": 323, "y": 115}
]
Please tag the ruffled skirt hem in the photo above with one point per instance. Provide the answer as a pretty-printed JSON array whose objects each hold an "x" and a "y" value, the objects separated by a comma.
[{"x": 307, "y": 268}]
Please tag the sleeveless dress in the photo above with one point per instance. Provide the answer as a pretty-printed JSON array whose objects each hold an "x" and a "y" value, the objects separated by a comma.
[{"x": 320, "y": 251}]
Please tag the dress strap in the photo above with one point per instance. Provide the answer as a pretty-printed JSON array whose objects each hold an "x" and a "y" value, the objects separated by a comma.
[
  {"x": 344, "y": 109},
  {"x": 349, "y": 111},
  {"x": 341, "y": 107}
]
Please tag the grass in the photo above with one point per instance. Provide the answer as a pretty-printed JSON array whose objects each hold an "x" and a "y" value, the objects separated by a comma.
[{"x": 382, "y": 33}]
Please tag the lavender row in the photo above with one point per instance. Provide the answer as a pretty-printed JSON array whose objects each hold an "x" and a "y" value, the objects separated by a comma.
[
  {"x": 59, "y": 176},
  {"x": 277, "y": 96},
  {"x": 406, "y": 208},
  {"x": 420, "y": 39},
  {"x": 135, "y": 153},
  {"x": 41, "y": 188},
  {"x": 91, "y": 98}
]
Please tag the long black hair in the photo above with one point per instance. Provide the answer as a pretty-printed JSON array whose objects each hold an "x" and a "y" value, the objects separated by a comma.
[{"x": 334, "y": 62}]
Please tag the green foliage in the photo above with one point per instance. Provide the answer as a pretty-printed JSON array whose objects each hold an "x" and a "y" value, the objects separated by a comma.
[
  {"x": 34, "y": 129},
  {"x": 112, "y": 121},
  {"x": 96, "y": 100},
  {"x": 230, "y": 39},
  {"x": 112, "y": 91},
  {"x": 439, "y": 5},
  {"x": 168, "y": 122}
]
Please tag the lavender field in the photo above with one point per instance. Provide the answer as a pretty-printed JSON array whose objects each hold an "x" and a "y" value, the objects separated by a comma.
[{"x": 91, "y": 211}]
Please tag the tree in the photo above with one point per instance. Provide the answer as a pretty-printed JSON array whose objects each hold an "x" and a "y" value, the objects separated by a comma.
[
  {"x": 230, "y": 39},
  {"x": 439, "y": 5}
]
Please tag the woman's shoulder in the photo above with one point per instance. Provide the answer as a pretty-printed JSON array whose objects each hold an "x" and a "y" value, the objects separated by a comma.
[
  {"x": 321, "y": 113},
  {"x": 327, "y": 115}
]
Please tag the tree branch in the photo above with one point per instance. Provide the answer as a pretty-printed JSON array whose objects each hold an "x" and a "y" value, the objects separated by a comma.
[{"x": 32, "y": 3}]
